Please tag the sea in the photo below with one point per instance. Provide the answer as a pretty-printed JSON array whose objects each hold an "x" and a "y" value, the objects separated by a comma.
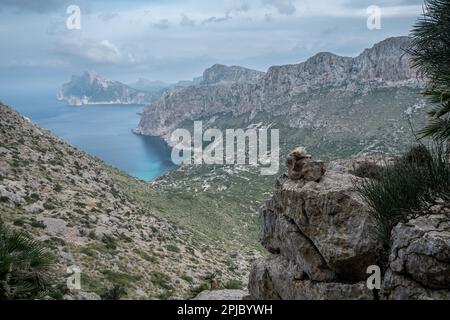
[{"x": 104, "y": 131}]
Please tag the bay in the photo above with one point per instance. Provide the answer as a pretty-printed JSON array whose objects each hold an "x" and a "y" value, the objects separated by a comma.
[{"x": 104, "y": 131}]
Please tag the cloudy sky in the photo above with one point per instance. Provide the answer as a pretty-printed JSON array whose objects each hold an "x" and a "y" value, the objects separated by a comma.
[{"x": 173, "y": 40}]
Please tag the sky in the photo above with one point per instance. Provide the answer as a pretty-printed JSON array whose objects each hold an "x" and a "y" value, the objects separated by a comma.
[{"x": 176, "y": 40}]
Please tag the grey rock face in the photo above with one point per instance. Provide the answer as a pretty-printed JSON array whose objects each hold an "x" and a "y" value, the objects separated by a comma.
[
  {"x": 300, "y": 166},
  {"x": 219, "y": 73},
  {"x": 321, "y": 237},
  {"x": 238, "y": 90},
  {"x": 332, "y": 215},
  {"x": 279, "y": 235},
  {"x": 276, "y": 278},
  {"x": 419, "y": 262}
]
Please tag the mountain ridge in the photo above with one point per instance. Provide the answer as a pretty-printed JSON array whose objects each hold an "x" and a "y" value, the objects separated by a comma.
[{"x": 305, "y": 97}]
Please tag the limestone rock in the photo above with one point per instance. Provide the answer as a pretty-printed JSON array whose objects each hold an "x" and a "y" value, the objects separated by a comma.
[
  {"x": 280, "y": 235},
  {"x": 82, "y": 295},
  {"x": 226, "y": 294},
  {"x": 300, "y": 166},
  {"x": 399, "y": 287},
  {"x": 334, "y": 218},
  {"x": 54, "y": 226},
  {"x": 320, "y": 235},
  {"x": 276, "y": 278},
  {"x": 419, "y": 261}
]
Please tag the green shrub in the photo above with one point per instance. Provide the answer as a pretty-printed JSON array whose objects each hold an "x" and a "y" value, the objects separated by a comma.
[
  {"x": 418, "y": 154},
  {"x": 161, "y": 280},
  {"x": 24, "y": 266},
  {"x": 38, "y": 224},
  {"x": 110, "y": 242},
  {"x": 166, "y": 294},
  {"x": 19, "y": 222},
  {"x": 202, "y": 287},
  {"x": 187, "y": 278},
  {"x": 57, "y": 188},
  {"x": 114, "y": 293},
  {"x": 233, "y": 284},
  {"x": 32, "y": 198},
  {"x": 173, "y": 248},
  {"x": 403, "y": 188},
  {"x": 48, "y": 205},
  {"x": 4, "y": 199},
  {"x": 367, "y": 169}
]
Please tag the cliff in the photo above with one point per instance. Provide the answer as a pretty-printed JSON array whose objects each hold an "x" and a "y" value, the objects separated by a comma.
[
  {"x": 220, "y": 74},
  {"x": 239, "y": 91}
]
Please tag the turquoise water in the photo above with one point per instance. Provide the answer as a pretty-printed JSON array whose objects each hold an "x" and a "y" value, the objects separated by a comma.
[{"x": 101, "y": 130}]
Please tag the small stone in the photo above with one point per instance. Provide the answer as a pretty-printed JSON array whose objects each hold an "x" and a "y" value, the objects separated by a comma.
[
  {"x": 313, "y": 170},
  {"x": 300, "y": 166}
]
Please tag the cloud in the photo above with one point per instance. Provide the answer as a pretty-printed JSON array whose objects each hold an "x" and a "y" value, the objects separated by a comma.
[
  {"x": 40, "y": 6},
  {"x": 107, "y": 16},
  {"x": 162, "y": 24},
  {"x": 226, "y": 17},
  {"x": 186, "y": 21},
  {"x": 90, "y": 51},
  {"x": 286, "y": 7},
  {"x": 243, "y": 8}
]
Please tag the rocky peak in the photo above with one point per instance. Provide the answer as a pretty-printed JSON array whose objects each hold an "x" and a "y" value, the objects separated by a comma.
[
  {"x": 386, "y": 61},
  {"x": 220, "y": 73}
]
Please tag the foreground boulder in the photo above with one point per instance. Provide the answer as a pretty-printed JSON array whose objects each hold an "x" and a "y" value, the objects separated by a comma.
[
  {"x": 320, "y": 235},
  {"x": 322, "y": 239},
  {"x": 277, "y": 278},
  {"x": 419, "y": 261}
]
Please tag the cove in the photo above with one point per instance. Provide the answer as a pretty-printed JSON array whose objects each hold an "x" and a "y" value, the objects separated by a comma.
[{"x": 103, "y": 131}]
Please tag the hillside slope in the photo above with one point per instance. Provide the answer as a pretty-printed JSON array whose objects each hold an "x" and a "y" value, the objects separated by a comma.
[{"x": 111, "y": 225}]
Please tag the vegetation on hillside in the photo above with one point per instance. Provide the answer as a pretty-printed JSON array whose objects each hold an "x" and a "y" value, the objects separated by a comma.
[
  {"x": 406, "y": 187},
  {"x": 24, "y": 266}
]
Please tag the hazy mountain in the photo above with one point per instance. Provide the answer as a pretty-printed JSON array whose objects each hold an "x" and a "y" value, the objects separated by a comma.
[
  {"x": 91, "y": 88},
  {"x": 221, "y": 74},
  {"x": 152, "y": 86}
]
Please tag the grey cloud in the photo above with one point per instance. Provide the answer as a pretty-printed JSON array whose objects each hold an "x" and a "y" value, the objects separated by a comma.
[
  {"x": 89, "y": 51},
  {"x": 283, "y": 6},
  {"x": 107, "y": 16},
  {"x": 217, "y": 19},
  {"x": 243, "y": 8},
  {"x": 40, "y": 6},
  {"x": 162, "y": 24},
  {"x": 186, "y": 21}
]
